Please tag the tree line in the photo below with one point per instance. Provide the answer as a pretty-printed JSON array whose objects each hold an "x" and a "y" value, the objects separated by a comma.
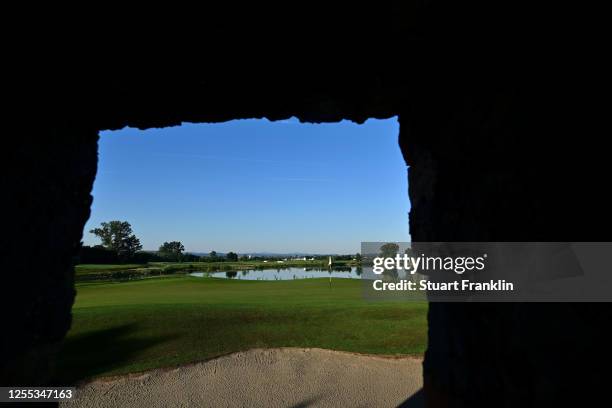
[{"x": 119, "y": 244}]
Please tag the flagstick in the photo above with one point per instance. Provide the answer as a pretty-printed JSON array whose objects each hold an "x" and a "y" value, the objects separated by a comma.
[{"x": 329, "y": 264}]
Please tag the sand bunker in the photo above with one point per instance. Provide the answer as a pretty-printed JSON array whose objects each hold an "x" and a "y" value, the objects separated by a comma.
[{"x": 287, "y": 377}]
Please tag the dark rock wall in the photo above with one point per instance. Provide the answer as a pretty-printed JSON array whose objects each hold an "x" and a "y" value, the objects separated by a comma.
[
  {"x": 480, "y": 170},
  {"x": 48, "y": 187},
  {"x": 501, "y": 149}
]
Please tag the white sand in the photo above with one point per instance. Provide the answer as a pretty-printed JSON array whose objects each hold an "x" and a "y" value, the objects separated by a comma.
[{"x": 287, "y": 377}]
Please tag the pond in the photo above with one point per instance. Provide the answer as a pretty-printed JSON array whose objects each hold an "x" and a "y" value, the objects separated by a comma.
[{"x": 283, "y": 273}]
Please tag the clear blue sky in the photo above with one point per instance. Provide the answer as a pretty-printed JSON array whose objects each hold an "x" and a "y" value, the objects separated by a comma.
[{"x": 255, "y": 185}]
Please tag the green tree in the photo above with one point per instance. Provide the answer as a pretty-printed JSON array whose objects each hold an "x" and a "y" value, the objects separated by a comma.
[
  {"x": 389, "y": 250},
  {"x": 172, "y": 250},
  {"x": 119, "y": 237},
  {"x": 213, "y": 255},
  {"x": 231, "y": 256}
]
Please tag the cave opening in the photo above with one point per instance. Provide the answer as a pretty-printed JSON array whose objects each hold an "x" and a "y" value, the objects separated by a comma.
[
  {"x": 484, "y": 154},
  {"x": 268, "y": 191}
]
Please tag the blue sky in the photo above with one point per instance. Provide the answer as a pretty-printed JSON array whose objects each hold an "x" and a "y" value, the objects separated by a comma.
[{"x": 255, "y": 185}]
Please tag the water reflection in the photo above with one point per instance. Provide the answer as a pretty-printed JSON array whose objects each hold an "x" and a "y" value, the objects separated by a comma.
[{"x": 284, "y": 273}]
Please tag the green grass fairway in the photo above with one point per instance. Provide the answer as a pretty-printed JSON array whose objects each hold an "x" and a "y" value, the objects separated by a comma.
[
  {"x": 133, "y": 326},
  {"x": 88, "y": 268}
]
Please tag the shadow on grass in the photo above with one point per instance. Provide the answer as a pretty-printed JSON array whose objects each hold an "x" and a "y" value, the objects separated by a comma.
[{"x": 87, "y": 355}]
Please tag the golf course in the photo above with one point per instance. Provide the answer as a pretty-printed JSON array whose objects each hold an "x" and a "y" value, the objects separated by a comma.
[{"x": 167, "y": 321}]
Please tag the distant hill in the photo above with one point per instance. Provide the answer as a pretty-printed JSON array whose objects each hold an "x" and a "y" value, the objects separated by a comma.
[
  {"x": 264, "y": 254},
  {"x": 260, "y": 254},
  {"x": 206, "y": 253}
]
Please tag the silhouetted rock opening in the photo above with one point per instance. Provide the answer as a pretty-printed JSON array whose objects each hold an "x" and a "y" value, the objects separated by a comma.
[{"x": 492, "y": 149}]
